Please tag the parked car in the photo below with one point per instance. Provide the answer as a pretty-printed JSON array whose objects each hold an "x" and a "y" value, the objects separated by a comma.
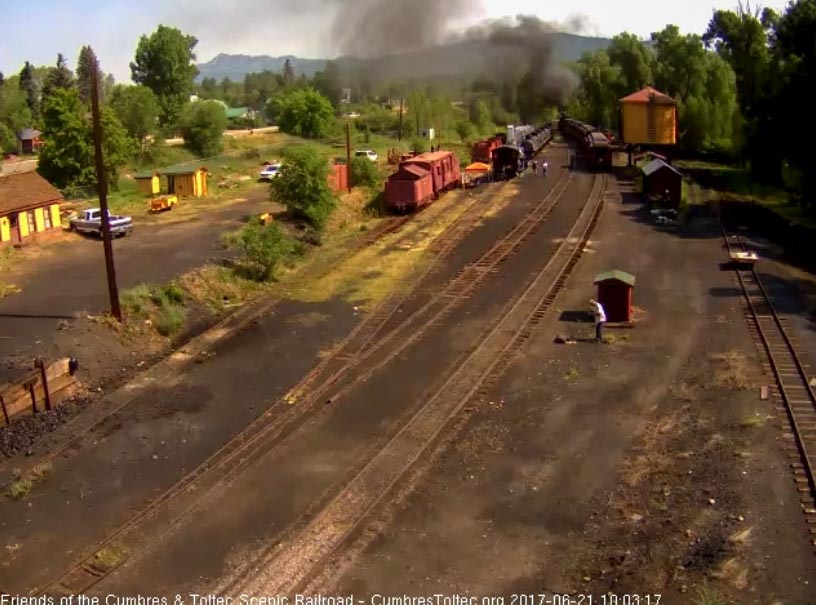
[
  {"x": 90, "y": 222},
  {"x": 270, "y": 171},
  {"x": 367, "y": 153}
]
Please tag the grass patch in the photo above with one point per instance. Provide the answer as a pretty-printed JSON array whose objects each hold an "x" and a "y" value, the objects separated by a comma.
[
  {"x": 572, "y": 374},
  {"x": 380, "y": 270},
  {"x": 22, "y": 485},
  {"x": 162, "y": 305},
  {"x": 731, "y": 371},
  {"x": 612, "y": 339},
  {"x": 709, "y": 596},
  {"x": 8, "y": 256},
  {"x": 753, "y": 421},
  {"x": 218, "y": 288},
  {"x": 111, "y": 556},
  {"x": 8, "y": 289}
]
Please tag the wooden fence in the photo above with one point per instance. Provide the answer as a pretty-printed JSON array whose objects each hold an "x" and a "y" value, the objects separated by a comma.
[{"x": 43, "y": 389}]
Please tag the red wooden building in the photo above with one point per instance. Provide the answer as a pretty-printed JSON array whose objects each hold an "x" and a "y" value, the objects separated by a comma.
[{"x": 615, "y": 289}]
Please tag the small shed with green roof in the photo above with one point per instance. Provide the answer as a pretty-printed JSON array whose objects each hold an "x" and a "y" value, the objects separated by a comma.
[
  {"x": 148, "y": 183},
  {"x": 187, "y": 181},
  {"x": 615, "y": 293}
]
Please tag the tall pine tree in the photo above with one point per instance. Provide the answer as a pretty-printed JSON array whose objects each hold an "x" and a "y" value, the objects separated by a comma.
[
  {"x": 29, "y": 86},
  {"x": 288, "y": 73},
  {"x": 86, "y": 63},
  {"x": 59, "y": 77}
]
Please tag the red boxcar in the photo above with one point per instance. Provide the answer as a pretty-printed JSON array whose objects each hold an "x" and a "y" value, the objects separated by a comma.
[
  {"x": 483, "y": 150},
  {"x": 443, "y": 166},
  {"x": 409, "y": 188}
]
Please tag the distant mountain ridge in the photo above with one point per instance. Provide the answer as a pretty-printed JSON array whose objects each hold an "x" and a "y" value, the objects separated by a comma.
[
  {"x": 235, "y": 67},
  {"x": 567, "y": 47}
]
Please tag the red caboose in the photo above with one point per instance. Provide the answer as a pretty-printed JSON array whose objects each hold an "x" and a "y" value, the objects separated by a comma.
[
  {"x": 443, "y": 167},
  {"x": 409, "y": 188},
  {"x": 483, "y": 150}
]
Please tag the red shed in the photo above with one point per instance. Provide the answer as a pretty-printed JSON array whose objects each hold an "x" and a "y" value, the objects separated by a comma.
[
  {"x": 338, "y": 177},
  {"x": 615, "y": 294},
  {"x": 409, "y": 188}
]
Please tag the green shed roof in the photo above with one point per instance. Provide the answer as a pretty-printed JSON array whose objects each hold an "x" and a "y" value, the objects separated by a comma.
[
  {"x": 236, "y": 112},
  {"x": 182, "y": 170},
  {"x": 616, "y": 275}
]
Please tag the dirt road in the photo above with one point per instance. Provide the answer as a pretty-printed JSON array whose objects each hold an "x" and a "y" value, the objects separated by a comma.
[{"x": 70, "y": 278}]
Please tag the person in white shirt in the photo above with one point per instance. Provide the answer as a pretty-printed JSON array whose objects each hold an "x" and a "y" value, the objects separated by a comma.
[
  {"x": 544, "y": 166},
  {"x": 600, "y": 319}
]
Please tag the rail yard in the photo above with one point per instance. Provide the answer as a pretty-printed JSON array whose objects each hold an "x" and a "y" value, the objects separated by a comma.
[
  {"x": 543, "y": 336},
  {"x": 291, "y": 479}
]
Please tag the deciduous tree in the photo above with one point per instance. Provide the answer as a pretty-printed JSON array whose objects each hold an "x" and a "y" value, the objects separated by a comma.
[
  {"x": 304, "y": 112},
  {"x": 137, "y": 109},
  {"x": 202, "y": 125},
  {"x": 165, "y": 63}
]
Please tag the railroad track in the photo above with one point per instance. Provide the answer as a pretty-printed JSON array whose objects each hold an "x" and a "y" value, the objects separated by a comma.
[
  {"x": 792, "y": 386},
  {"x": 288, "y": 565},
  {"x": 283, "y": 417}
]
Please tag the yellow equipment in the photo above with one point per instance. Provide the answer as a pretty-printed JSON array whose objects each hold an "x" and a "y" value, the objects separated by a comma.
[{"x": 163, "y": 203}]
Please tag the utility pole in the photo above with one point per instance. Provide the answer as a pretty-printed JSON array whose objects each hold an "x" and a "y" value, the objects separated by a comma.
[
  {"x": 348, "y": 155},
  {"x": 102, "y": 187},
  {"x": 402, "y": 106}
]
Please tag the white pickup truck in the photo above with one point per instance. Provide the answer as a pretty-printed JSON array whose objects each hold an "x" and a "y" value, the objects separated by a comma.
[{"x": 90, "y": 221}]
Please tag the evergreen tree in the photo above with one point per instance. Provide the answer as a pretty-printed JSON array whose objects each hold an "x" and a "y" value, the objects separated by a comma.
[
  {"x": 86, "y": 63},
  {"x": 29, "y": 86},
  {"x": 59, "y": 77},
  {"x": 288, "y": 73}
]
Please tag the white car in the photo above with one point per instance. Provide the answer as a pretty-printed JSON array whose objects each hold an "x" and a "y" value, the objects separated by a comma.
[
  {"x": 270, "y": 171},
  {"x": 367, "y": 153}
]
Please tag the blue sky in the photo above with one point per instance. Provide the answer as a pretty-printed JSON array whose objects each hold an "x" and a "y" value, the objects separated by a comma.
[{"x": 36, "y": 30}]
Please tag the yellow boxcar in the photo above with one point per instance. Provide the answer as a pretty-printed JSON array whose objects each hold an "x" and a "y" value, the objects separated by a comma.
[{"x": 648, "y": 117}]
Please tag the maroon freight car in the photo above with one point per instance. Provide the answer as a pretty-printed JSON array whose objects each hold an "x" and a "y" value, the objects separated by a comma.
[
  {"x": 443, "y": 166},
  {"x": 421, "y": 179},
  {"x": 409, "y": 188}
]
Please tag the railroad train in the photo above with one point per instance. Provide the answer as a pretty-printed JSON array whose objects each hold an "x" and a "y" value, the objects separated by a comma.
[
  {"x": 594, "y": 145},
  {"x": 421, "y": 179},
  {"x": 522, "y": 144}
]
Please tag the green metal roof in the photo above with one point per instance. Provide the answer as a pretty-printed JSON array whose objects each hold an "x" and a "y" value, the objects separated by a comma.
[
  {"x": 616, "y": 275},
  {"x": 236, "y": 112},
  {"x": 182, "y": 170}
]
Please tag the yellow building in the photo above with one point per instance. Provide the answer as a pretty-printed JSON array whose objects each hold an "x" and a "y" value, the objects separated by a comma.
[
  {"x": 648, "y": 117},
  {"x": 187, "y": 182},
  {"x": 148, "y": 183},
  {"x": 29, "y": 208}
]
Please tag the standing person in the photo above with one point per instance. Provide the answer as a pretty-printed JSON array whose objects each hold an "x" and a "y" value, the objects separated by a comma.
[
  {"x": 544, "y": 166},
  {"x": 535, "y": 167},
  {"x": 600, "y": 319}
]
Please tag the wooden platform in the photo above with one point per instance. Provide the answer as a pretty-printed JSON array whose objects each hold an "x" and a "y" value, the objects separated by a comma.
[{"x": 43, "y": 389}]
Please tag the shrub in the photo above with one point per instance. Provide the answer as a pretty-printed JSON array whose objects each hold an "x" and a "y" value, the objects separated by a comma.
[
  {"x": 170, "y": 317},
  {"x": 419, "y": 145},
  {"x": 303, "y": 188},
  {"x": 364, "y": 173},
  {"x": 264, "y": 247}
]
